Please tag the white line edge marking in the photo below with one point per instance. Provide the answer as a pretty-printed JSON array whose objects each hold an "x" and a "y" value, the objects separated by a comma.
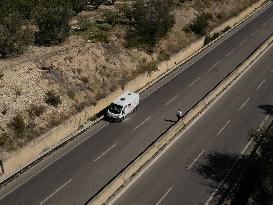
[
  {"x": 171, "y": 100},
  {"x": 243, "y": 42},
  {"x": 195, "y": 160},
  {"x": 244, "y": 103},
  {"x": 143, "y": 122},
  {"x": 212, "y": 67},
  {"x": 264, "y": 24},
  {"x": 260, "y": 85},
  {"x": 192, "y": 83},
  {"x": 271, "y": 71},
  {"x": 229, "y": 53},
  {"x": 221, "y": 130},
  {"x": 105, "y": 152},
  {"x": 50, "y": 163},
  {"x": 271, "y": 18},
  {"x": 164, "y": 196},
  {"x": 56, "y": 191}
]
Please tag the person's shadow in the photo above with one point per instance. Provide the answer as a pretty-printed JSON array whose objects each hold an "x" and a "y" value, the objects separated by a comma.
[{"x": 167, "y": 120}]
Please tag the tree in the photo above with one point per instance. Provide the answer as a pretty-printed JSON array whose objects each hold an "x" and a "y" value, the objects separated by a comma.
[
  {"x": 14, "y": 35},
  {"x": 152, "y": 20},
  {"x": 53, "y": 24}
]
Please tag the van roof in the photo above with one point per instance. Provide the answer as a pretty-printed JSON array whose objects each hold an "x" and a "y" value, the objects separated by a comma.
[{"x": 125, "y": 98}]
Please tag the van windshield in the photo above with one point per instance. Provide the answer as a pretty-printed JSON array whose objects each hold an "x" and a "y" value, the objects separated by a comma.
[{"x": 114, "y": 108}]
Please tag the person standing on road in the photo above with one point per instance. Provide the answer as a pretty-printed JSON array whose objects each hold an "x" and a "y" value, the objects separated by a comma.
[{"x": 179, "y": 114}]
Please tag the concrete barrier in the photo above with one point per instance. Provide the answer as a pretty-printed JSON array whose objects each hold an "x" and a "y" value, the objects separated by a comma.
[
  {"x": 156, "y": 147},
  {"x": 45, "y": 144}
]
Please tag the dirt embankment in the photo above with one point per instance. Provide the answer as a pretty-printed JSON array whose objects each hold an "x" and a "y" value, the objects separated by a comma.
[{"x": 82, "y": 72}]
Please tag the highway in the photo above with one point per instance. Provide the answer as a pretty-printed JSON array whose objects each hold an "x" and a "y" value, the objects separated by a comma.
[
  {"x": 193, "y": 167},
  {"x": 81, "y": 168}
]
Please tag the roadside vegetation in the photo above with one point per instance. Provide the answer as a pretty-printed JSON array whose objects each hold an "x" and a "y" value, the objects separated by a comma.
[{"x": 58, "y": 57}]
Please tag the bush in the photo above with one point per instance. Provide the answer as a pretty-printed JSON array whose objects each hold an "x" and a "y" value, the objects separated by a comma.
[
  {"x": 111, "y": 17},
  {"x": 53, "y": 24},
  {"x": 14, "y": 36},
  {"x": 127, "y": 11},
  {"x": 18, "y": 125},
  {"x": 209, "y": 38},
  {"x": 3, "y": 139},
  {"x": 199, "y": 24},
  {"x": 151, "y": 20},
  {"x": 53, "y": 99},
  {"x": 99, "y": 36}
]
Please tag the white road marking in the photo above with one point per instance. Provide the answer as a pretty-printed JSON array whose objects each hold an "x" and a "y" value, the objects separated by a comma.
[
  {"x": 143, "y": 122},
  {"x": 243, "y": 42},
  {"x": 229, "y": 53},
  {"x": 105, "y": 152},
  {"x": 254, "y": 33},
  {"x": 191, "y": 84},
  {"x": 251, "y": 140},
  {"x": 56, "y": 191},
  {"x": 221, "y": 130},
  {"x": 271, "y": 71},
  {"x": 241, "y": 107},
  {"x": 171, "y": 100},
  {"x": 51, "y": 162},
  {"x": 164, "y": 196},
  {"x": 271, "y": 18},
  {"x": 195, "y": 160},
  {"x": 264, "y": 24},
  {"x": 260, "y": 85},
  {"x": 212, "y": 67}
]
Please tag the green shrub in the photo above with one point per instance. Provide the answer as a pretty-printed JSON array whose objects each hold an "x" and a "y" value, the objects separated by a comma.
[
  {"x": 209, "y": 38},
  {"x": 96, "y": 3},
  {"x": 3, "y": 139},
  {"x": 103, "y": 26},
  {"x": 18, "y": 126},
  {"x": 199, "y": 24},
  {"x": 151, "y": 21},
  {"x": 52, "y": 98},
  {"x": 78, "y": 5},
  {"x": 111, "y": 17},
  {"x": 53, "y": 24},
  {"x": 14, "y": 36}
]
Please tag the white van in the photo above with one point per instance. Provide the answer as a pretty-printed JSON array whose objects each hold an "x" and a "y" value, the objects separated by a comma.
[{"x": 123, "y": 105}]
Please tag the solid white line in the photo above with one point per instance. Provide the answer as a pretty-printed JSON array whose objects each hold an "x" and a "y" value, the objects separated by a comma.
[
  {"x": 51, "y": 162},
  {"x": 246, "y": 147},
  {"x": 243, "y": 42},
  {"x": 105, "y": 152},
  {"x": 143, "y": 122},
  {"x": 55, "y": 191},
  {"x": 260, "y": 84},
  {"x": 251, "y": 140},
  {"x": 171, "y": 100},
  {"x": 191, "y": 84},
  {"x": 164, "y": 196},
  {"x": 271, "y": 71},
  {"x": 195, "y": 160},
  {"x": 221, "y": 130},
  {"x": 254, "y": 33},
  {"x": 264, "y": 24},
  {"x": 229, "y": 53},
  {"x": 244, "y": 104},
  {"x": 212, "y": 67}
]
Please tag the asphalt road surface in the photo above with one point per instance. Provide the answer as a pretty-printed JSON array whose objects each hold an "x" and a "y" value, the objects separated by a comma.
[
  {"x": 192, "y": 168},
  {"x": 77, "y": 171}
]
